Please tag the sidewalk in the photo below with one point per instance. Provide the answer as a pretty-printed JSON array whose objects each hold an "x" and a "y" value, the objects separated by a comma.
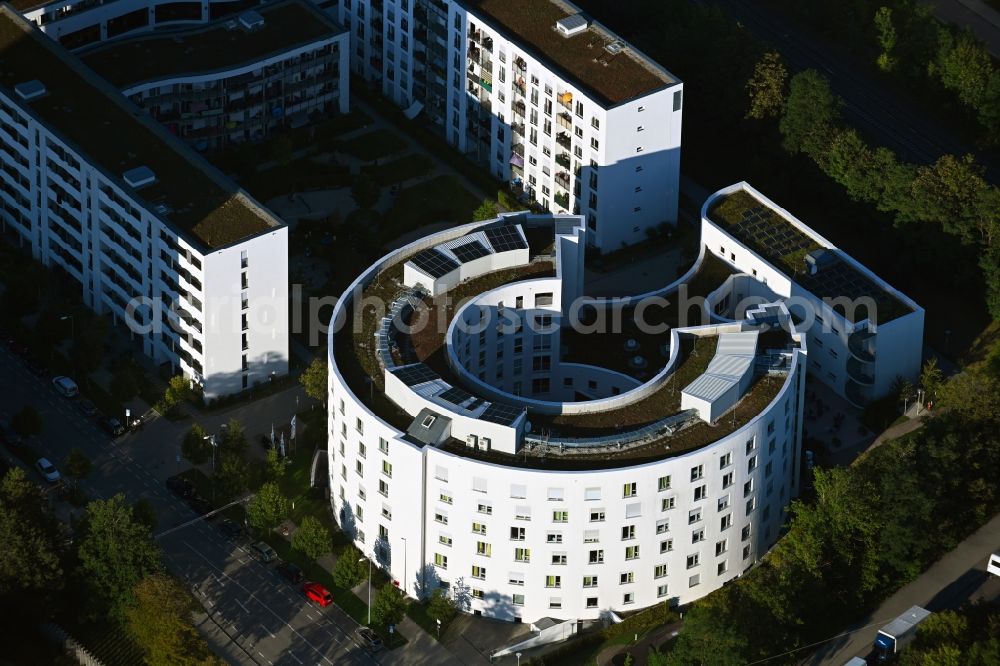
[
  {"x": 945, "y": 585},
  {"x": 640, "y": 650}
]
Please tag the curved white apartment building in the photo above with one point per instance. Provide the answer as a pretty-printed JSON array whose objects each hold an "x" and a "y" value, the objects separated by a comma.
[{"x": 536, "y": 471}]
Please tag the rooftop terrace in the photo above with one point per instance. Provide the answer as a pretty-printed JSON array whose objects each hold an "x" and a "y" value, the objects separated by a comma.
[
  {"x": 774, "y": 238},
  {"x": 216, "y": 47},
  {"x": 613, "y": 78},
  {"x": 86, "y": 112}
]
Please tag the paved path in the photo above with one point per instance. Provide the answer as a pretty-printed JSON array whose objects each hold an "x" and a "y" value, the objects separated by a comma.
[
  {"x": 983, "y": 20},
  {"x": 640, "y": 650},
  {"x": 959, "y": 575}
]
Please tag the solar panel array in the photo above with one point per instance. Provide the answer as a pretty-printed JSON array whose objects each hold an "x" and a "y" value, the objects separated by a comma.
[
  {"x": 501, "y": 413},
  {"x": 418, "y": 373},
  {"x": 759, "y": 227},
  {"x": 469, "y": 251},
  {"x": 841, "y": 279},
  {"x": 505, "y": 238},
  {"x": 433, "y": 263},
  {"x": 455, "y": 395}
]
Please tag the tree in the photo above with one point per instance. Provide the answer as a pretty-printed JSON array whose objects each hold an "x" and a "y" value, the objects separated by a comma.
[
  {"x": 365, "y": 191},
  {"x": 388, "y": 605},
  {"x": 887, "y": 39},
  {"x": 117, "y": 551},
  {"x": 811, "y": 113},
  {"x": 27, "y": 421},
  {"x": 178, "y": 390},
  {"x": 349, "y": 571},
  {"x": 28, "y": 532},
  {"x": 441, "y": 607},
  {"x": 160, "y": 621},
  {"x": 195, "y": 448},
  {"x": 144, "y": 513},
  {"x": 233, "y": 437},
  {"x": 931, "y": 378},
  {"x": 312, "y": 538},
  {"x": 275, "y": 464},
  {"x": 76, "y": 465},
  {"x": 766, "y": 88},
  {"x": 953, "y": 193},
  {"x": 486, "y": 211},
  {"x": 964, "y": 66},
  {"x": 281, "y": 149},
  {"x": 314, "y": 379},
  {"x": 268, "y": 507}
]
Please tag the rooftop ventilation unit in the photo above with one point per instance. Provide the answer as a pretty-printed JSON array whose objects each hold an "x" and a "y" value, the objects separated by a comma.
[
  {"x": 819, "y": 259},
  {"x": 251, "y": 20},
  {"x": 571, "y": 25},
  {"x": 615, "y": 47},
  {"x": 139, "y": 177},
  {"x": 30, "y": 90}
]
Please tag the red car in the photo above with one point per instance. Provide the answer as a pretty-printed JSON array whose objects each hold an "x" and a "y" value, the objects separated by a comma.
[{"x": 318, "y": 593}]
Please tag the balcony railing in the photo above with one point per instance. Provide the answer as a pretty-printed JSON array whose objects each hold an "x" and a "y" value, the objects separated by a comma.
[
  {"x": 520, "y": 64},
  {"x": 862, "y": 373},
  {"x": 561, "y": 199},
  {"x": 564, "y": 120},
  {"x": 861, "y": 344},
  {"x": 856, "y": 394},
  {"x": 562, "y": 159},
  {"x": 563, "y": 140},
  {"x": 562, "y": 180}
]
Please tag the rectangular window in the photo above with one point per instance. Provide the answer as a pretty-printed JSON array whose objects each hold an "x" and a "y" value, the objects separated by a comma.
[
  {"x": 444, "y": 539},
  {"x": 591, "y": 493},
  {"x": 445, "y": 497},
  {"x": 387, "y": 468},
  {"x": 628, "y": 532},
  {"x": 632, "y": 552},
  {"x": 626, "y": 578},
  {"x": 693, "y": 560},
  {"x": 590, "y": 581},
  {"x": 677, "y": 100},
  {"x": 721, "y": 547},
  {"x": 484, "y": 549},
  {"x": 485, "y": 508},
  {"x": 553, "y": 537},
  {"x": 694, "y": 515},
  {"x": 555, "y": 494},
  {"x": 479, "y": 528},
  {"x": 662, "y": 526},
  {"x": 517, "y": 534},
  {"x": 559, "y": 558},
  {"x": 597, "y": 516},
  {"x": 666, "y": 545},
  {"x": 518, "y": 491},
  {"x": 660, "y": 571},
  {"x": 629, "y": 490},
  {"x": 667, "y": 503},
  {"x": 663, "y": 483},
  {"x": 595, "y": 557},
  {"x": 560, "y": 516},
  {"x": 726, "y": 521},
  {"x": 522, "y": 554},
  {"x": 441, "y": 517},
  {"x": 440, "y": 560},
  {"x": 478, "y": 572},
  {"x": 591, "y": 536},
  {"x": 697, "y": 472},
  {"x": 699, "y": 493},
  {"x": 725, "y": 461},
  {"x": 383, "y": 445}
]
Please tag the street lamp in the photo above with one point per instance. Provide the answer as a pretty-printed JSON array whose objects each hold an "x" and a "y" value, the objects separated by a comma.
[
  {"x": 518, "y": 655},
  {"x": 369, "y": 589},
  {"x": 211, "y": 440},
  {"x": 72, "y": 325}
]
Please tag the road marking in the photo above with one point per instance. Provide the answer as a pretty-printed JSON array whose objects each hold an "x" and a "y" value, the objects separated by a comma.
[
  {"x": 245, "y": 609},
  {"x": 292, "y": 655},
  {"x": 270, "y": 633}
]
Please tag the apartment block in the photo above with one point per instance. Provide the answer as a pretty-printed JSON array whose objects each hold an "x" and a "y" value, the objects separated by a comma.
[
  {"x": 279, "y": 66},
  {"x": 574, "y": 118},
  {"x": 154, "y": 236}
]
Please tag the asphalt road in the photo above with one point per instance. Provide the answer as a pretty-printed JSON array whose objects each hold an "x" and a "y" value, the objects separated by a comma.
[
  {"x": 257, "y": 617},
  {"x": 894, "y": 122}
]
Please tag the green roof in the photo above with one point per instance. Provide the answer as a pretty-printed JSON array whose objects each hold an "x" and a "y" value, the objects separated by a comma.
[
  {"x": 613, "y": 78},
  {"x": 84, "y": 111},
  {"x": 215, "y": 47}
]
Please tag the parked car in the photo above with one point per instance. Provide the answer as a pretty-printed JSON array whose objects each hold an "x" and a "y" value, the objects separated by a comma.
[
  {"x": 317, "y": 593},
  {"x": 369, "y": 639},
  {"x": 180, "y": 486},
  {"x": 47, "y": 470},
  {"x": 199, "y": 504},
  {"x": 112, "y": 426},
  {"x": 8, "y": 434},
  {"x": 290, "y": 572},
  {"x": 233, "y": 530},
  {"x": 66, "y": 386},
  {"x": 87, "y": 407},
  {"x": 263, "y": 552}
]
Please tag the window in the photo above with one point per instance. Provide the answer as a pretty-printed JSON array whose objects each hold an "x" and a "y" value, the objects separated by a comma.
[
  {"x": 629, "y": 490},
  {"x": 555, "y": 494},
  {"x": 478, "y": 484},
  {"x": 678, "y": 96},
  {"x": 362, "y": 449},
  {"x": 698, "y": 535},
  {"x": 484, "y": 549},
  {"x": 359, "y": 468},
  {"x": 517, "y": 534},
  {"x": 591, "y": 602},
  {"x": 478, "y": 572},
  {"x": 515, "y": 578},
  {"x": 518, "y": 491},
  {"x": 595, "y": 123},
  {"x": 751, "y": 445},
  {"x": 725, "y": 461},
  {"x": 723, "y": 503},
  {"x": 594, "y": 143},
  {"x": 560, "y": 516},
  {"x": 721, "y": 547},
  {"x": 752, "y": 464},
  {"x": 628, "y": 532},
  {"x": 597, "y": 516},
  {"x": 667, "y": 503},
  {"x": 440, "y": 560},
  {"x": 693, "y": 561},
  {"x": 628, "y": 598},
  {"x": 441, "y": 473},
  {"x": 727, "y": 480},
  {"x": 595, "y": 557},
  {"x": 660, "y": 571},
  {"x": 479, "y": 528},
  {"x": 445, "y": 497},
  {"x": 694, "y": 515},
  {"x": 699, "y": 493},
  {"x": 383, "y": 487},
  {"x": 591, "y": 493},
  {"x": 662, "y": 526},
  {"x": 591, "y": 536},
  {"x": 726, "y": 521},
  {"x": 444, "y": 539},
  {"x": 751, "y": 504},
  {"x": 441, "y": 517},
  {"x": 661, "y": 591},
  {"x": 359, "y": 426},
  {"x": 553, "y": 537},
  {"x": 555, "y": 602},
  {"x": 553, "y": 581},
  {"x": 694, "y": 580},
  {"x": 632, "y": 552},
  {"x": 723, "y": 566},
  {"x": 666, "y": 545},
  {"x": 559, "y": 558},
  {"x": 522, "y": 513},
  {"x": 383, "y": 445},
  {"x": 663, "y": 483},
  {"x": 746, "y": 552},
  {"x": 697, "y": 472},
  {"x": 387, "y": 468},
  {"x": 517, "y": 599},
  {"x": 522, "y": 554},
  {"x": 485, "y": 508},
  {"x": 747, "y": 488},
  {"x": 626, "y": 578},
  {"x": 745, "y": 533},
  {"x": 590, "y": 581}
]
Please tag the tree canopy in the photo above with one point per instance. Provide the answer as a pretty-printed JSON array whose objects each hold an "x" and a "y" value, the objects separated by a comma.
[
  {"x": 160, "y": 620},
  {"x": 268, "y": 507},
  {"x": 314, "y": 379},
  {"x": 312, "y": 538}
]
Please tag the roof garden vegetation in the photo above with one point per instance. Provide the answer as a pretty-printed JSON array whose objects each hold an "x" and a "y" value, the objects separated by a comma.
[
  {"x": 778, "y": 241},
  {"x": 215, "y": 47},
  {"x": 87, "y": 113},
  {"x": 613, "y": 78}
]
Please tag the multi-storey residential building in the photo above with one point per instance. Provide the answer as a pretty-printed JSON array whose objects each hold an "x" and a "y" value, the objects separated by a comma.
[
  {"x": 466, "y": 452},
  {"x": 153, "y": 234},
  {"x": 236, "y": 79},
  {"x": 863, "y": 333},
  {"x": 571, "y": 115}
]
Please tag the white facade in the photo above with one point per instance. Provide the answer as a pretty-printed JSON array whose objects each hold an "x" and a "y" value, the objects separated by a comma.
[
  {"x": 858, "y": 358},
  {"x": 518, "y": 542},
  {"x": 513, "y": 110},
  {"x": 184, "y": 298}
]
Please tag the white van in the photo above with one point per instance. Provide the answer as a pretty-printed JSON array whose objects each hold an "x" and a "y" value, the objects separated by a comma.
[
  {"x": 993, "y": 566},
  {"x": 66, "y": 386}
]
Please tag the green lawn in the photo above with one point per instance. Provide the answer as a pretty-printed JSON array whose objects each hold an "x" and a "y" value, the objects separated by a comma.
[
  {"x": 443, "y": 198},
  {"x": 373, "y": 145},
  {"x": 404, "y": 168}
]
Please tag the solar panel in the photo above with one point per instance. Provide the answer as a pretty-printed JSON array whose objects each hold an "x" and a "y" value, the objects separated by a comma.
[
  {"x": 500, "y": 413},
  {"x": 505, "y": 238},
  {"x": 418, "y": 373},
  {"x": 469, "y": 251},
  {"x": 455, "y": 395},
  {"x": 433, "y": 263}
]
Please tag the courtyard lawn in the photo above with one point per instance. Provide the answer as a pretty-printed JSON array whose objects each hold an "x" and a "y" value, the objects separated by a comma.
[
  {"x": 440, "y": 199},
  {"x": 404, "y": 168},
  {"x": 373, "y": 145}
]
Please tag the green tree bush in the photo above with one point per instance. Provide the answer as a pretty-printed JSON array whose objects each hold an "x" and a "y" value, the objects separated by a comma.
[
  {"x": 194, "y": 447},
  {"x": 314, "y": 379},
  {"x": 76, "y": 465},
  {"x": 268, "y": 507},
  {"x": 766, "y": 88},
  {"x": 388, "y": 606},
  {"x": 348, "y": 571},
  {"x": 312, "y": 538},
  {"x": 159, "y": 619}
]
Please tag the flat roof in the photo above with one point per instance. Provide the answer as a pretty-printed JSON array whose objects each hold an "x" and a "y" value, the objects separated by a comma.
[
  {"x": 582, "y": 58},
  {"x": 87, "y": 113},
  {"x": 755, "y": 224},
  {"x": 220, "y": 45}
]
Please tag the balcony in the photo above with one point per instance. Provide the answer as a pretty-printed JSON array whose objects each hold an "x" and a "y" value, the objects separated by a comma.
[
  {"x": 862, "y": 373},
  {"x": 857, "y": 395},
  {"x": 561, "y": 199},
  {"x": 564, "y": 120},
  {"x": 861, "y": 344},
  {"x": 562, "y": 159},
  {"x": 520, "y": 65},
  {"x": 518, "y": 108},
  {"x": 518, "y": 149},
  {"x": 517, "y": 128},
  {"x": 565, "y": 100},
  {"x": 519, "y": 88},
  {"x": 564, "y": 140},
  {"x": 562, "y": 180}
]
